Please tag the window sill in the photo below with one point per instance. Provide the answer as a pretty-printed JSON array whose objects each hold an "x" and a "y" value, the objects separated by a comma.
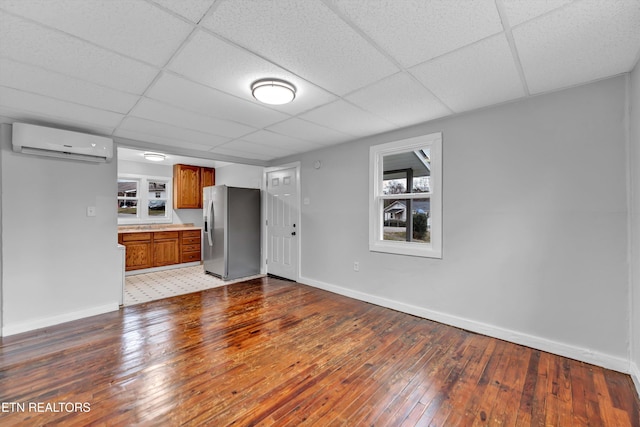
[
  {"x": 406, "y": 248},
  {"x": 144, "y": 221}
]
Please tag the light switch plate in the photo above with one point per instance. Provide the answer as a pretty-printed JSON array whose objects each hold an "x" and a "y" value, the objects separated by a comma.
[{"x": 91, "y": 211}]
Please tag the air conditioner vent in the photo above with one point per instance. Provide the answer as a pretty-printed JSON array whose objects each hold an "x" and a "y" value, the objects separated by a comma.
[{"x": 51, "y": 142}]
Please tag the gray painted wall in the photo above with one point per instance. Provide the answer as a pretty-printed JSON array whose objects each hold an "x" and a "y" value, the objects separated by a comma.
[
  {"x": 634, "y": 162},
  {"x": 535, "y": 224},
  {"x": 57, "y": 263},
  {"x": 5, "y": 132}
]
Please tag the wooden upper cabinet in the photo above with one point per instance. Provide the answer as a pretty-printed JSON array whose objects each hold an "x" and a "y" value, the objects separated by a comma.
[
  {"x": 188, "y": 182},
  {"x": 186, "y": 187},
  {"x": 208, "y": 177}
]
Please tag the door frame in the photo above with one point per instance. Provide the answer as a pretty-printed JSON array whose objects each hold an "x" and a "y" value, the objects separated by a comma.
[{"x": 300, "y": 234}]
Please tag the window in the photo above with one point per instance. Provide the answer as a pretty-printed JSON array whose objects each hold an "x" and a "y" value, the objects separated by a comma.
[
  {"x": 128, "y": 198},
  {"x": 144, "y": 199},
  {"x": 405, "y": 207}
]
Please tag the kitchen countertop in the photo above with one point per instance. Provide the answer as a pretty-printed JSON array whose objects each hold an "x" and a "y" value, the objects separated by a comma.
[{"x": 156, "y": 227}]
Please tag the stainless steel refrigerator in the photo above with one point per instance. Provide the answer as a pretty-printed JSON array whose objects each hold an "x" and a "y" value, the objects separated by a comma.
[{"x": 231, "y": 247}]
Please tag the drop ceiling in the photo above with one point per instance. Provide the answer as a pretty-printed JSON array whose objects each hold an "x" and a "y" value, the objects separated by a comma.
[{"x": 175, "y": 75}]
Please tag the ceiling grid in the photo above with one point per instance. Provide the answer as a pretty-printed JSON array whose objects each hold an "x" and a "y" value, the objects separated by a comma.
[{"x": 176, "y": 75}]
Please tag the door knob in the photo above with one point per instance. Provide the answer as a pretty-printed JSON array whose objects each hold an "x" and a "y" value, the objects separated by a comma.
[{"x": 293, "y": 233}]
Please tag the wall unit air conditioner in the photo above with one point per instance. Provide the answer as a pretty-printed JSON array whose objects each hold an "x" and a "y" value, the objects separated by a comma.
[{"x": 44, "y": 141}]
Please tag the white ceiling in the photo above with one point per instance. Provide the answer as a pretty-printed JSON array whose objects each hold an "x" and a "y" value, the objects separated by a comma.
[
  {"x": 175, "y": 74},
  {"x": 137, "y": 156}
]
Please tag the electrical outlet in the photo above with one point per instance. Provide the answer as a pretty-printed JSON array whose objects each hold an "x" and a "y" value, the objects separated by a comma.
[{"x": 356, "y": 266}]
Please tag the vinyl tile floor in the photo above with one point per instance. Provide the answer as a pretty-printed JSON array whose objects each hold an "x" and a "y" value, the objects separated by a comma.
[{"x": 146, "y": 287}]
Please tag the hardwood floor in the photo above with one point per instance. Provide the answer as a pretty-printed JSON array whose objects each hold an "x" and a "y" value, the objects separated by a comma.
[{"x": 271, "y": 352}]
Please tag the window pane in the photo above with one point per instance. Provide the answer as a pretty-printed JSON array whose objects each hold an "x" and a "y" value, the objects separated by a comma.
[
  {"x": 394, "y": 186},
  {"x": 157, "y": 190},
  {"x": 407, "y": 172},
  {"x": 127, "y": 208},
  {"x": 127, "y": 188},
  {"x": 398, "y": 221},
  {"x": 157, "y": 208}
]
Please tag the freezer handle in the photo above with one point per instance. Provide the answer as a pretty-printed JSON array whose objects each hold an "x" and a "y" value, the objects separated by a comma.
[{"x": 209, "y": 230}]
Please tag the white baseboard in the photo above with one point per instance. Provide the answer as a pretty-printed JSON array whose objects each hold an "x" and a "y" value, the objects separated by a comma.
[
  {"x": 55, "y": 320},
  {"x": 583, "y": 354},
  {"x": 162, "y": 268}
]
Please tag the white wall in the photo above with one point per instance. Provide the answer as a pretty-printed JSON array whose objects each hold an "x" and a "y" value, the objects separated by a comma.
[
  {"x": 235, "y": 175},
  {"x": 180, "y": 216},
  {"x": 535, "y": 225},
  {"x": 139, "y": 168},
  {"x": 57, "y": 263},
  {"x": 634, "y": 179}
]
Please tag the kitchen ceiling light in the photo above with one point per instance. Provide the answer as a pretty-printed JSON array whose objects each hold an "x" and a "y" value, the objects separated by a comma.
[
  {"x": 155, "y": 157},
  {"x": 273, "y": 91}
]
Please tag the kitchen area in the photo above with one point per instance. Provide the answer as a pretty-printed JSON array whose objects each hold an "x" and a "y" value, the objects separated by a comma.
[{"x": 162, "y": 223}]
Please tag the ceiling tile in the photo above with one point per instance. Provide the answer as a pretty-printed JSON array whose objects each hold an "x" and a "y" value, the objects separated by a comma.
[
  {"x": 133, "y": 27},
  {"x": 241, "y": 154},
  {"x": 24, "y": 42},
  {"x": 302, "y": 129},
  {"x": 137, "y": 155},
  {"x": 475, "y": 76},
  {"x": 400, "y": 99},
  {"x": 221, "y": 65},
  {"x": 201, "y": 99},
  {"x": 160, "y": 139},
  {"x": 420, "y": 30},
  {"x": 229, "y": 150},
  {"x": 158, "y": 111},
  {"x": 253, "y": 147},
  {"x": 272, "y": 139},
  {"x": 519, "y": 11},
  {"x": 193, "y": 10},
  {"x": 304, "y": 37},
  {"x": 164, "y": 130},
  {"x": 598, "y": 39},
  {"x": 50, "y": 107},
  {"x": 51, "y": 84},
  {"x": 347, "y": 118}
]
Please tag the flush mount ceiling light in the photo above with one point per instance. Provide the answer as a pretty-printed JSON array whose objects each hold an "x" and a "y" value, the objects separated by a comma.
[
  {"x": 273, "y": 91},
  {"x": 155, "y": 157}
]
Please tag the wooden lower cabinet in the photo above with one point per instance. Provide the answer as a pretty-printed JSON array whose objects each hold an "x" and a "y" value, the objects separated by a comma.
[
  {"x": 139, "y": 253},
  {"x": 166, "y": 248},
  {"x": 160, "y": 248},
  {"x": 190, "y": 246}
]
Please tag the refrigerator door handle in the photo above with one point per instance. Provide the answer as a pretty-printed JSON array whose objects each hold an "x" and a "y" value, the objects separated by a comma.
[{"x": 210, "y": 230}]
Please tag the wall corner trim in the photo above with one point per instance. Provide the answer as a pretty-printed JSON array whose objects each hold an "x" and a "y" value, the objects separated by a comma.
[
  {"x": 55, "y": 320},
  {"x": 635, "y": 376},
  {"x": 579, "y": 353}
]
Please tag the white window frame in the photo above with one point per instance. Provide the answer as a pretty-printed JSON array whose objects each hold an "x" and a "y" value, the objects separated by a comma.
[
  {"x": 377, "y": 198},
  {"x": 142, "y": 214}
]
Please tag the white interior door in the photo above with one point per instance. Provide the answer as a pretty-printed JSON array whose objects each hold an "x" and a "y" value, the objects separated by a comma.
[{"x": 283, "y": 230}]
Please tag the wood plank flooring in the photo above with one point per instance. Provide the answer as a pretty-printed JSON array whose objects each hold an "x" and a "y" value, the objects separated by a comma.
[{"x": 271, "y": 352}]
